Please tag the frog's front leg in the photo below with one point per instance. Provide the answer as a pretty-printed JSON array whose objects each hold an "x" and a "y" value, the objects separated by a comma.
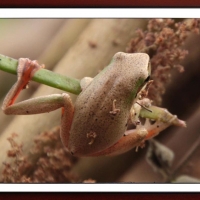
[{"x": 26, "y": 69}]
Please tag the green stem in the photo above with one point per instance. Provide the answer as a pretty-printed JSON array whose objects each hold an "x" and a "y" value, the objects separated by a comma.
[
  {"x": 162, "y": 115},
  {"x": 73, "y": 86},
  {"x": 43, "y": 76}
]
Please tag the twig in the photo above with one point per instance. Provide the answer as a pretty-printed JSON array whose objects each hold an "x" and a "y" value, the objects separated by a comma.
[{"x": 43, "y": 76}]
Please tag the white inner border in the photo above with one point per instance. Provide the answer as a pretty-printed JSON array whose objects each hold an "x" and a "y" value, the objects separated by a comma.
[
  {"x": 101, "y": 13},
  {"x": 117, "y": 187}
]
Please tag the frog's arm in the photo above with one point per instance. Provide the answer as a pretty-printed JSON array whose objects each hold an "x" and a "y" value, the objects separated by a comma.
[{"x": 85, "y": 82}]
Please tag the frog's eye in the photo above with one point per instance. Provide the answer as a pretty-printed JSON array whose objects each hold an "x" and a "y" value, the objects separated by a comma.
[
  {"x": 147, "y": 79},
  {"x": 149, "y": 72}
]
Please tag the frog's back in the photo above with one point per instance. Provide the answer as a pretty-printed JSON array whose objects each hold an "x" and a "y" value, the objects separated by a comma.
[{"x": 95, "y": 127}]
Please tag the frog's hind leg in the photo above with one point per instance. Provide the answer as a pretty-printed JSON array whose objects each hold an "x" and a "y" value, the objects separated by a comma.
[
  {"x": 25, "y": 70},
  {"x": 134, "y": 138},
  {"x": 46, "y": 104}
]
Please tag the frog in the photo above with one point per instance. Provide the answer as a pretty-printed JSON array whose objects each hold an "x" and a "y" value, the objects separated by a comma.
[{"x": 96, "y": 125}]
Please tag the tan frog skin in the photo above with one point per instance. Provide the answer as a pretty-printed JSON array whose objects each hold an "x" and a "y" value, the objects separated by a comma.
[{"x": 120, "y": 81}]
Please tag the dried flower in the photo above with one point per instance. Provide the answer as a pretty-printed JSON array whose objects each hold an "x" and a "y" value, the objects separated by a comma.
[
  {"x": 163, "y": 41},
  {"x": 47, "y": 161}
]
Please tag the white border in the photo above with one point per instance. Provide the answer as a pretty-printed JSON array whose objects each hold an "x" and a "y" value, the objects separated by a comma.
[
  {"x": 99, "y": 187},
  {"x": 100, "y": 13}
]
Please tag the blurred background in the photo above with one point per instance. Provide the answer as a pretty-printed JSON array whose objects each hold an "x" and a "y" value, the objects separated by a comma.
[{"x": 83, "y": 47}]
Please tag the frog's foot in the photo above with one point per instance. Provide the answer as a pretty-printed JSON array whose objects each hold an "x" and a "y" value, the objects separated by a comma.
[
  {"x": 144, "y": 91},
  {"x": 134, "y": 114},
  {"x": 145, "y": 103},
  {"x": 25, "y": 70},
  {"x": 141, "y": 145},
  {"x": 134, "y": 118}
]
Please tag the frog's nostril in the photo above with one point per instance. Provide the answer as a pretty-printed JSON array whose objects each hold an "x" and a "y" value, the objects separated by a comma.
[{"x": 72, "y": 153}]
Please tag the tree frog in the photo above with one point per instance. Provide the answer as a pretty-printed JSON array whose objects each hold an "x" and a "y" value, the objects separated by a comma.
[{"x": 97, "y": 123}]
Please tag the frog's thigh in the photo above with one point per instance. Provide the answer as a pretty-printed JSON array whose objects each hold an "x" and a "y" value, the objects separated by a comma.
[{"x": 132, "y": 138}]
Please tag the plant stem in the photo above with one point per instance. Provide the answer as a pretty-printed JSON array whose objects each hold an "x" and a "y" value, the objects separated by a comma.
[
  {"x": 161, "y": 114},
  {"x": 43, "y": 76},
  {"x": 72, "y": 85}
]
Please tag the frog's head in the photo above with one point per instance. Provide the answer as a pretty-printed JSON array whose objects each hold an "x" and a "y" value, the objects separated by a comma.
[
  {"x": 136, "y": 70},
  {"x": 136, "y": 65}
]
